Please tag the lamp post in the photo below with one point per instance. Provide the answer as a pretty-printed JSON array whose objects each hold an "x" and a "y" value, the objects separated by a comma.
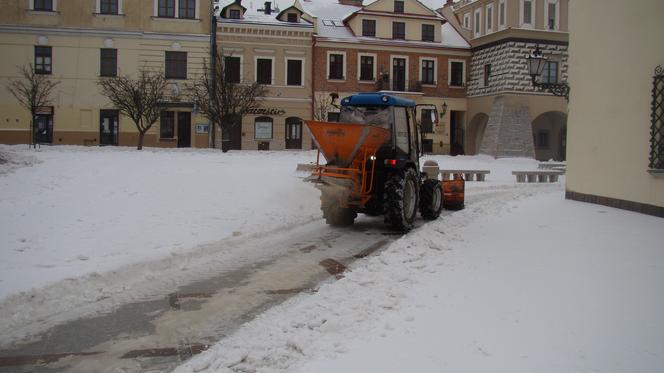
[
  {"x": 444, "y": 111},
  {"x": 536, "y": 63}
]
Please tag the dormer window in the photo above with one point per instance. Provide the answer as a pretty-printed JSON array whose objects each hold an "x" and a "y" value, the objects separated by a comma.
[
  {"x": 398, "y": 30},
  {"x": 369, "y": 27},
  {"x": 292, "y": 17},
  {"x": 234, "y": 14},
  {"x": 398, "y": 6}
]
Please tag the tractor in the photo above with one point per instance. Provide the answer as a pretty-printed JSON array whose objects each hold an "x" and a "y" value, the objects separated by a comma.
[{"x": 372, "y": 164}]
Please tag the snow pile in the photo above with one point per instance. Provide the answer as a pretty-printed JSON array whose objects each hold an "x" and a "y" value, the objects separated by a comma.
[{"x": 11, "y": 159}]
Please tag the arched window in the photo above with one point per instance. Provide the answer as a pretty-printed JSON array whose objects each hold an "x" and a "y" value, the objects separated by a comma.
[{"x": 263, "y": 128}]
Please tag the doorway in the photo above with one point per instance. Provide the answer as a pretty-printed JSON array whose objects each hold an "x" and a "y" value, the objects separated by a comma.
[
  {"x": 232, "y": 135},
  {"x": 457, "y": 133},
  {"x": 108, "y": 127},
  {"x": 399, "y": 74},
  {"x": 293, "y": 133},
  {"x": 43, "y": 128},
  {"x": 184, "y": 129}
]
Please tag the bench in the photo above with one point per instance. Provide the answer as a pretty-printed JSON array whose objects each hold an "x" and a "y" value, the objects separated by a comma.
[
  {"x": 305, "y": 167},
  {"x": 468, "y": 175},
  {"x": 537, "y": 176},
  {"x": 555, "y": 166}
]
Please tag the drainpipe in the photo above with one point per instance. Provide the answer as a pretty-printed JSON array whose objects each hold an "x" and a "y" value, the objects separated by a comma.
[
  {"x": 213, "y": 70},
  {"x": 313, "y": 77}
]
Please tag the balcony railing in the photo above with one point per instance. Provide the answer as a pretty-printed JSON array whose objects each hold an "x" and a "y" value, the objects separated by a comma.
[{"x": 401, "y": 85}]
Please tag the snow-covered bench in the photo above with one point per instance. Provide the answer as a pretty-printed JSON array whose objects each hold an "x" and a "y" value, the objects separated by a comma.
[
  {"x": 556, "y": 166},
  {"x": 550, "y": 176},
  {"x": 468, "y": 175}
]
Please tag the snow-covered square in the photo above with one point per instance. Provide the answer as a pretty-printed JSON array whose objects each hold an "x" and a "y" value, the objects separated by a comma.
[{"x": 520, "y": 280}]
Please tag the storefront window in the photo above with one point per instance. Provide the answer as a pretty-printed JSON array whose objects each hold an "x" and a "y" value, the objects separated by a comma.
[{"x": 263, "y": 128}]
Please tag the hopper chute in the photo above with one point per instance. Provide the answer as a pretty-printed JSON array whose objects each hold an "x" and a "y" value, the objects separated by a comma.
[{"x": 343, "y": 143}]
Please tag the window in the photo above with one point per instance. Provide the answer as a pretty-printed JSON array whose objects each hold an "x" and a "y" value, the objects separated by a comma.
[
  {"x": 108, "y": 6},
  {"x": 527, "y": 13},
  {"x": 176, "y": 65},
  {"x": 550, "y": 73},
  {"x": 294, "y": 72},
  {"x": 456, "y": 73},
  {"x": 656, "y": 157},
  {"x": 426, "y": 122},
  {"x": 46, "y": 5},
  {"x": 166, "y": 8},
  {"x": 551, "y": 15},
  {"x": 234, "y": 13},
  {"x": 487, "y": 74},
  {"x": 336, "y": 66},
  {"x": 398, "y": 6},
  {"x": 428, "y": 74},
  {"x": 489, "y": 18},
  {"x": 398, "y": 30},
  {"x": 232, "y": 71},
  {"x": 167, "y": 125},
  {"x": 187, "y": 9},
  {"x": 369, "y": 27},
  {"x": 264, "y": 70},
  {"x": 43, "y": 61},
  {"x": 466, "y": 21},
  {"x": 292, "y": 17},
  {"x": 478, "y": 22},
  {"x": 367, "y": 68},
  {"x": 427, "y": 32},
  {"x": 108, "y": 64},
  {"x": 542, "y": 139},
  {"x": 263, "y": 128},
  {"x": 501, "y": 14}
]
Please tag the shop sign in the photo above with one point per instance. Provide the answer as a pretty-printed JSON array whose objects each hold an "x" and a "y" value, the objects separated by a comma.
[
  {"x": 202, "y": 128},
  {"x": 266, "y": 111}
]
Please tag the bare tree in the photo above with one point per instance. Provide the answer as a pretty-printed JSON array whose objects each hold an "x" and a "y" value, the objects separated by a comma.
[
  {"x": 323, "y": 104},
  {"x": 138, "y": 98},
  {"x": 33, "y": 91},
  {"x": 224, "y": 99}
]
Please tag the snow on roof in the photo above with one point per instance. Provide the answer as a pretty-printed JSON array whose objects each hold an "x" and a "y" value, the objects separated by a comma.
[
  {"x": 255, "y": 13},
  {"x": 330, "y": 14},
  {"x": 452, "y": 38}
]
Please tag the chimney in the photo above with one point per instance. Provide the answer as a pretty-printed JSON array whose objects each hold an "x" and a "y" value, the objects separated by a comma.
[
  {"x": 351, "y": 2},
  {"x": 449, "y": 2},
  {"x": 268, "y": 7}
]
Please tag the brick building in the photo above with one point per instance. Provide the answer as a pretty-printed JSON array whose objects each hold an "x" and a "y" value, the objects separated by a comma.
[{"x": 401, "y": 47}]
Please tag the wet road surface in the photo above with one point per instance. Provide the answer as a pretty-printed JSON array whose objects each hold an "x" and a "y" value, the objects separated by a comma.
[{"x": 160, "y": 333}]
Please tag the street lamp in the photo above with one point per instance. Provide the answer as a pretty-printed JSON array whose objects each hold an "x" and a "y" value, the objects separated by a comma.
[
  {"x": 536, "y": 62},
  {"x": 442, "y": 113}
]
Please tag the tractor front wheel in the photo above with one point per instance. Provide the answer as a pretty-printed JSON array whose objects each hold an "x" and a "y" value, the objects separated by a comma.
[
  {"x": 401, "y": 199},
  {"x": 431, "y": 199},
  {"x": 334, "y": 214}
]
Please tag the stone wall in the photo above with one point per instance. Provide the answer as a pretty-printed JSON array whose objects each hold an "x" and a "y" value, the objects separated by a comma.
[{"x": 509, "y": 70}]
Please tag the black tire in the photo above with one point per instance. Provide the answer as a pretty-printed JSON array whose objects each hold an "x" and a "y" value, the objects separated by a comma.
[
  {"x": 431, "y": 199},
  {"x": 334, "y": 214},
  {"x": 400, "y": 199}
]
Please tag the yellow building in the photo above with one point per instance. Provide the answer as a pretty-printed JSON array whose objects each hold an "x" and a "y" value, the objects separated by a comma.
[
  {"x": 616, "y": 109},
  {"x": 272, "y": 46},
  {"x": 77, "y": 41}
]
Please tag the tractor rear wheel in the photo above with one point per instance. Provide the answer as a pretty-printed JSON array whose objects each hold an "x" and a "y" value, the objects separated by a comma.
[
  {"x": 401, "y": 199},
  {"x": 431, "y": 199},
  {"x": 334, "y": 214}
]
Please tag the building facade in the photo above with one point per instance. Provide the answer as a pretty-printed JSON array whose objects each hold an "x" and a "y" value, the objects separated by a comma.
[
  {"x": 508, "y": 116},
  {"x": 399, "y": 47},
  {"x": 75, "y": 42},
  {"x": 616, "y": 123},
  {"x": 271, "y": 46}
]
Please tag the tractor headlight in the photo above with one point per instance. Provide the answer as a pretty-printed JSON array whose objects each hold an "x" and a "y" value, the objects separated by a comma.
[{"x": 385, "y": 98}]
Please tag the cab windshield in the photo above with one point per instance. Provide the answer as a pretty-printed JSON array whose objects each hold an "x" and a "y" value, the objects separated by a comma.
[{"x": 380, "y": 116}]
